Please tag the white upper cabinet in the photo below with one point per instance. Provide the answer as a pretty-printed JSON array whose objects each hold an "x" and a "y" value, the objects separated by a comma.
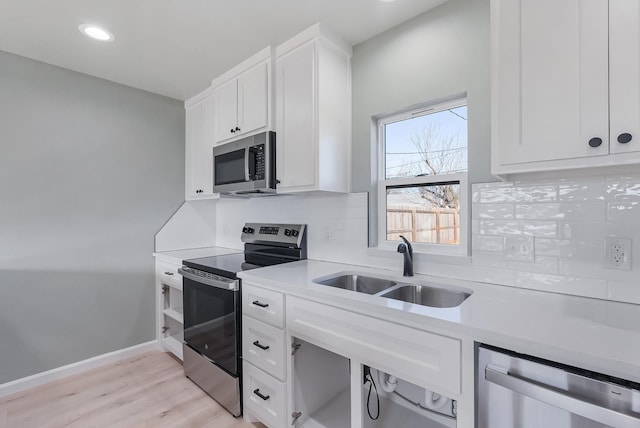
[
  {"x": 551, "y": 83},
  {"x": 242, "y": 98},
  {"x": 313, "y": 113},
  {"x": 253, "y": 98},
  {"x": 226, "y": 117},
  {"x": 199, "y": 146},
  {"x": 624, "y": 54}
]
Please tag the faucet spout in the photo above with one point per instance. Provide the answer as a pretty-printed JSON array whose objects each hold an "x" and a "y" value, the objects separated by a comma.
[{"x": 407, "y": 251}]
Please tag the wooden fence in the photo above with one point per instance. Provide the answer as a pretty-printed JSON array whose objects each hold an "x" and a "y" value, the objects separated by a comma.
[{"x": 430, "y": 225}]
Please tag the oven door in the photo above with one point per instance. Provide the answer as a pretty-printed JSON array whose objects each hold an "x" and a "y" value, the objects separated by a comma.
[{"x": 212, "y": 318}]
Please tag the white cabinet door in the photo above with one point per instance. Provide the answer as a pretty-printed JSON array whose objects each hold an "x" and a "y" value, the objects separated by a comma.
[
  {"x": 226, "y": 110},
  {"x": 550, "y": 79},
  {"x": 253, "y": 99},
  {"x": 624, "y": 57},
  {"x": 198, "y": 150},
  {"x": 295, "y": 118}
]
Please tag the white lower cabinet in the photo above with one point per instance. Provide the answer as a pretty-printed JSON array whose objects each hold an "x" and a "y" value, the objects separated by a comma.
[
  {"x": 264, "y": 397},
  {"x": 170, "y": 315},
  {"x": 308, "y": 370},
  {"x": 265, "y": 347}
]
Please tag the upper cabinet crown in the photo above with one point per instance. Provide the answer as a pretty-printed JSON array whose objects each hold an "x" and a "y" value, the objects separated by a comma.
[
  {"x": 243, "y": 98},
  {"x": 566, "y": 84},
  {"x": 313, "y": 113}
]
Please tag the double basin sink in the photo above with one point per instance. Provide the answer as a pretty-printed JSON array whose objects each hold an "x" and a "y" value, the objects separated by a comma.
[{"x": 419, "y": 294}]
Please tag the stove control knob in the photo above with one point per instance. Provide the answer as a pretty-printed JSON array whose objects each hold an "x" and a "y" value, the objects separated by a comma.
[
  {"x": 245, "y": 230},
  {"x": 287, "y": 232},
  {"x": 250, "y": 230},
  {"x": 294, "y": 233}
]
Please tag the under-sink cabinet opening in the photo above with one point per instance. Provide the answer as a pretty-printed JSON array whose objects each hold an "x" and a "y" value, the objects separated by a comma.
[
  {"x": 321, "y": 391},
  {"x": 390, "y": 402}
]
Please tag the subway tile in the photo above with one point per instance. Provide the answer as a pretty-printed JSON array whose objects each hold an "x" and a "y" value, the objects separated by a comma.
[
  {"x": 494, "y": 260},
  {"x": 496, "y": 192},
  {"x": 623, "y": 211},
  {"x": 475, "y": 195},
  {"x": 585, "y": 250},
  {"x": 546, "y": 193},
  {"x": 487, "y": 243},
  {"x": 492, "y": 211},
  {"x": 591, "y": 211},
  {"x": 582, "y": 192},
  {"x": 574, "y": 285},
  {"x": 545, "y": 229},
  {"x": 624, "y": 291},
  {"x": 594, "y": 269},
  {"x": 583, "y": 231},
  {"x": 624, "y": 191}
]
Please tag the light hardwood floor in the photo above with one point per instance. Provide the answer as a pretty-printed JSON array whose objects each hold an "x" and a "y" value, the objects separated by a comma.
[{"x": 149, "y": 390}]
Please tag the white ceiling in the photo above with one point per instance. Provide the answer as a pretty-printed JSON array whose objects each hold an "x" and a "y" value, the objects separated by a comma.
[{"x": 176, "y": 47}]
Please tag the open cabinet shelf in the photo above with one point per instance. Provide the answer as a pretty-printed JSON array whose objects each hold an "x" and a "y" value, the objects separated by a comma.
[{"x": 335, "y": 414}]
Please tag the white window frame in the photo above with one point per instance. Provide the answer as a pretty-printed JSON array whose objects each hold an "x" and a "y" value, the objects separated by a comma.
[{"x": 383, "y": 183}]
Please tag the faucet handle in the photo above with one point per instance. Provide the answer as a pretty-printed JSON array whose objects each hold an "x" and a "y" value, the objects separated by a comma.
[{"x": 408, "y": 245}]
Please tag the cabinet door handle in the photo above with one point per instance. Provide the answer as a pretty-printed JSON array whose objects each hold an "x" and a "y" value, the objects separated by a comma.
[
  {"x": 624, "y": 138},
  {"x": 257, "y": 392},
  {"x": 233, "y": 131},
  {"x": 237, "y": 129},
  {"x": 262, "y": 305},
  {"x": 595, "y": 142},
  {"x": 169, "y": 273},
  {"x": 259, "y": 345}
]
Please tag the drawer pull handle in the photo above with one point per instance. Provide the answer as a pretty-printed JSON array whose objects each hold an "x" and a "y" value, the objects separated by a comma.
[
  {"x": 259, "y": 345},
  {"x": 262, "y": 305},
  {"x": 257, "y": 392},
  {"x": 169, "y": 273}
]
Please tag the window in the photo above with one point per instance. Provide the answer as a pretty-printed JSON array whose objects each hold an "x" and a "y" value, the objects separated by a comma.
[{"x": 423, "y": 177}]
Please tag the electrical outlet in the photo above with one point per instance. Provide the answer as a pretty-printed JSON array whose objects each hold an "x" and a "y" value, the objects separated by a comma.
[
  {"x": 519, "y": 249},
  {"x": 617, "y": 252}
]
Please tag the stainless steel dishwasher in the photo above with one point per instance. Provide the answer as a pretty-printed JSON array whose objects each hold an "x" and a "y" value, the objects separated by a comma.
[{"x": 520, "y": 391}]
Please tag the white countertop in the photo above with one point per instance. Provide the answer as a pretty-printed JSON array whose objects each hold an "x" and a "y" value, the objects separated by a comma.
[
  {"x": 594, "y": 334},
  {"x": 178, "y": 256}
]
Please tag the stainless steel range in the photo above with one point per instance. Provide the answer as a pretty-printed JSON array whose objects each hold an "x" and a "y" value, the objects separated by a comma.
[{"x": 212, "y": 307}]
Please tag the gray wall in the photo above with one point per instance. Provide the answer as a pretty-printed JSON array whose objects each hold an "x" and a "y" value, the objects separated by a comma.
[
  {"x": 89, "y": 171},
  {"x": 440, "y": 53}
]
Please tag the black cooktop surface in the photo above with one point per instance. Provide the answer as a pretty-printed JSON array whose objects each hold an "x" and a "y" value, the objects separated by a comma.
[{"x": 227, "y": 265}]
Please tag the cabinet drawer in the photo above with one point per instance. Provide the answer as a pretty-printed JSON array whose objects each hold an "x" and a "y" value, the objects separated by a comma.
[
  {"x": 264, "y": 305},
  {"x": 264, "y": 397},
  {"x": 167, "y": 273},
  {"x": 257, "y": 336},
  {"x": 424, "y": 358}
]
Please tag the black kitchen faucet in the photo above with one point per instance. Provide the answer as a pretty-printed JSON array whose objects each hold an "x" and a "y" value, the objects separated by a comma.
[{"x": 407, "y": 252}]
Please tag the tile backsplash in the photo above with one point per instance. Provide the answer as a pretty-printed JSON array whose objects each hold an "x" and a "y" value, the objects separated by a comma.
[{"x": 568, "y": 220}]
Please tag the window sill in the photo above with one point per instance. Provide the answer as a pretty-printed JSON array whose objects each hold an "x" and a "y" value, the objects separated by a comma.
[{"x": 423, "y": 255}]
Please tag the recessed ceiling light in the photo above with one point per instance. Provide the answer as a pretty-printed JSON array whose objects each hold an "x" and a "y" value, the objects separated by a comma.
[{"x": 96, "y": 33}]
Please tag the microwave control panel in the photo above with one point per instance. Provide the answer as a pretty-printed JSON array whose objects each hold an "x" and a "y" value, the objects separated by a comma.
[{"x": 257, "y": 162}]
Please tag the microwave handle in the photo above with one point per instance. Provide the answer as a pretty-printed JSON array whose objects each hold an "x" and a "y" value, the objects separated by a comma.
[{"x": 246, "y": 163}]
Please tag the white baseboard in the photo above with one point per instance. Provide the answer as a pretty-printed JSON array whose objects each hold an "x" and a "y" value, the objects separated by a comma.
[{"x": 38, "y": 379}]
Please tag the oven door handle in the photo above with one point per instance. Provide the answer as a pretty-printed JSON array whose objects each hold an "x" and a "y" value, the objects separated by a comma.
[
  {"x": 558, "y": 398},
  {"x": 230, "y": 284}
]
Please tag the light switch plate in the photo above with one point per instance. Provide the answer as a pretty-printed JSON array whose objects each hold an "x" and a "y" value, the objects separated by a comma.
[
  {"x": 519, "y": 249},
  {"x": 617, "y": 252}
]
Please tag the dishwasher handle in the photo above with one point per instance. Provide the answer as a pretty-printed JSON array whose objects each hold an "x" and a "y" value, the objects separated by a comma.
[{"x": 559, "y": 398}]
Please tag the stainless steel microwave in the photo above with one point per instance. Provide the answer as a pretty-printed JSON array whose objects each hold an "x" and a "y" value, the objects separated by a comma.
[{"x": 246, "y": 167}]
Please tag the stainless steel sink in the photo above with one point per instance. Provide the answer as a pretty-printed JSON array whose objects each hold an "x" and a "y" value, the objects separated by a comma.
[
  {"x": 356, "y": 282},
  {"x": 427, "y": 296}
]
